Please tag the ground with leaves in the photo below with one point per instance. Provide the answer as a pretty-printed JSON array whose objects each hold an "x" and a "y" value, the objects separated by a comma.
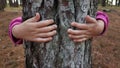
[{"x": 105, "y": 49}]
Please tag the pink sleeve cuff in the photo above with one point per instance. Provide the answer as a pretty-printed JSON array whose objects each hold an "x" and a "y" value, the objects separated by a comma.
[
  {"x": 14, "y": 22},
  {"x": 103, "y": 16}
]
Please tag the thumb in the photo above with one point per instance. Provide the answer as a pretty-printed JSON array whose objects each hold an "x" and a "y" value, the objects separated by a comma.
[
  {"x": 90, "y": 19},
  {"x": 35, "y": 18}
]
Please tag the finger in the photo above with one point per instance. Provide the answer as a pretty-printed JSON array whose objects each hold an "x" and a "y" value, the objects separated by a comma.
[
  {"x": 77, "y": 36},
  {"x": 42, "y": 40},
  {"x": 77, "y": 32},
  {"x": 48, "y": 34},
  {"x": 47, "y": 29},
  {"x": 80, "y": 26},
  {"x": 80, "y": 40},
  {"x": 35, "y": 18},
  {"x": 90, "y": 19},
  {"x": 45, "y": 23}
]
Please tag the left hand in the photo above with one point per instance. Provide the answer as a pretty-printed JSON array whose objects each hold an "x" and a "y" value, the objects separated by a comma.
[{"x": 86, "y": 31}]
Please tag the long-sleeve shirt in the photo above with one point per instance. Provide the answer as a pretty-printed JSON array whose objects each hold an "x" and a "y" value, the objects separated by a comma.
[{"x": 99, "y": 16}]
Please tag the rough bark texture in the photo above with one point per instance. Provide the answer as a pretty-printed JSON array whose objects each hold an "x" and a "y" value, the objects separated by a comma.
[{"x": 61, "y": 52}]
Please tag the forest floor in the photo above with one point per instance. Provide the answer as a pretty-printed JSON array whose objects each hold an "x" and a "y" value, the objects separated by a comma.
[{"x": 105, "y": 49}]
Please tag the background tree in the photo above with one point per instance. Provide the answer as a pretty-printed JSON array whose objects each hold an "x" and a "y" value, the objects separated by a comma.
[
  {"x": 107, "y": 2},
  {"x": 99, "y": 1},
  {"x": 103, "y": 3},
  {"x": 3, "y": 4},
  {"x": 16, "y": 3},
  {"x": 111, "y": 2},
  {"x": 10, "y": 3},
  {"x": 61, "y": 52},
  {"x": 116, "y": 3},
  {"x": 20, "y": 2},
  {"x": 119, "y": 3},
  {"x": 13, "y": 3}
]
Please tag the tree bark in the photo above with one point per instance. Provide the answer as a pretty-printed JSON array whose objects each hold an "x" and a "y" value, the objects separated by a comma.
[
  {"x": 119, "y": 3},
  {"x": 103, "y": 3},
  {"x": 13, "y": 3},
  {"x": 16, "y": 3},
  {"x": 61, "y": 52},
  {"x": 10, "y": 3},
  {"x": 2, "y": 4}
]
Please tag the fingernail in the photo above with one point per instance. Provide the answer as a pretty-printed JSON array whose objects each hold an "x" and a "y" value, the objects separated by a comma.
[
  {"x": 55, "y": 31},
  {"x": 69, "y": 35},
  {"x": 73, "y": 23},
  {"x": 74, "y": 40},
  {"x": 50, "y": 38},
  {"x": 55, "y": 26},
  {"x": 52, "y": 20},
  {"x": 68, "y": 30}
]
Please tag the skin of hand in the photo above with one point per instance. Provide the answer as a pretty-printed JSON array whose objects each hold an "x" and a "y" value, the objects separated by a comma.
[
  {"x": 35, "y": 30},
  {"x": 86, "y": 31}
]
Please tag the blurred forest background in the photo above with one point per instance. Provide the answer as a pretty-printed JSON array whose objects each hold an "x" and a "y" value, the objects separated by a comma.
[{"x": 105, "y": 49}]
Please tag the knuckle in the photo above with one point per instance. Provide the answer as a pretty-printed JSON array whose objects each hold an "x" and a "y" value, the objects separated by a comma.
[{"x": 35, "y": 25}]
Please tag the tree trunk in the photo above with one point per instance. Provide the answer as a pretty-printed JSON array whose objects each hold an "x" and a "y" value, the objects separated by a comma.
[
  {"x": 13, "y": 3},
  {"x": 107, "y": 2},
  {"x": 61, "y": 52},
  {"x": 99, "y": 1},
  {"x": 16, "y": 3},
  {"x": 103, "y": 3},
  {"x": 20, "y": 2},
  {"x": 2, "y": 4},
  {"x": 119, "y": 3},
  {"x": 10, "y": 3},
  {"x": 112, "y": 2},
  {"x": 116, "y": 3}
]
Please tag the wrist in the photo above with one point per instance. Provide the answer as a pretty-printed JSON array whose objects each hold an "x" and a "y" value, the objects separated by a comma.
[
  {"x": 16, "y": 31},
  {"x": 101, "y": 27},
  {"x": 103, "y": 17}
]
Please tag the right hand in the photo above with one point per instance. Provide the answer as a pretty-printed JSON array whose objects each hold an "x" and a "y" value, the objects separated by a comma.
[{"x": 35, "y": 30}]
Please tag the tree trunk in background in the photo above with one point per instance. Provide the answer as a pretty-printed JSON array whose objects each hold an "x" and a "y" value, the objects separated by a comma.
[
  {"x": 10, "y": 3},
  {"x": 111, "y": 2},
  {"x": 61, "y": 52},
  {"x": 103, "y": 3},
  {"x": 116, "y": 2},
  {"x": 99, "y": 1},
  {"x": 13, "y": 4},
  {"x": 2, "y": 4},
  {"x": 16, "y": 3},
  {"x": 107, "y": 2},
  {"x": 119, "y": 3},
  {"x": 20, "y": 2}
]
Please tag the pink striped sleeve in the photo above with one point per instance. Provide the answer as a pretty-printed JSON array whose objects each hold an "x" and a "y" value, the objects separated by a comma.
[
  {"x": 14, "y": 22},
  {"x": 103, "y": 16}
]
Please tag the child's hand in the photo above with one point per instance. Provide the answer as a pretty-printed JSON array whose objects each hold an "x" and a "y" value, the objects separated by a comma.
[
  {"x": 86, "y": 31},
  {"x": 32, "y": 30}
]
